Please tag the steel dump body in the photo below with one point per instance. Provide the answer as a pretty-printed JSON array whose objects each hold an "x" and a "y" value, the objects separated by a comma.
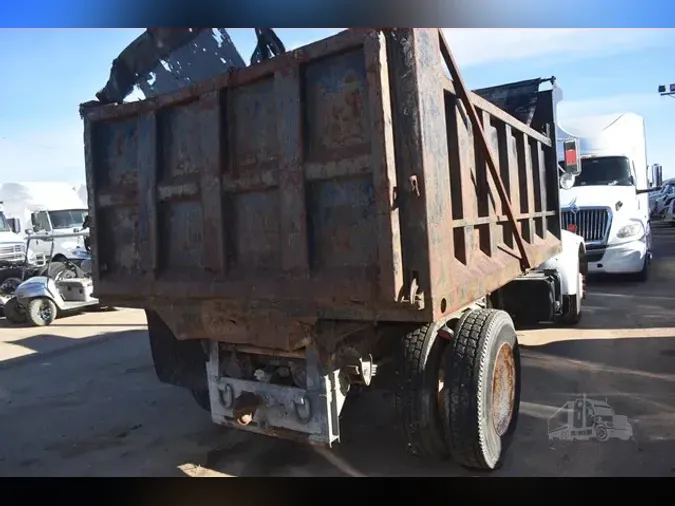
[{"x": 340, "y": 181}]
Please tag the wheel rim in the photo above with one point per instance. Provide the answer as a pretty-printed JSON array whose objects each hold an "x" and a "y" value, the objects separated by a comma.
[
  {"x": 503, "y": 389},
  {"x": 45, "y": 311}
]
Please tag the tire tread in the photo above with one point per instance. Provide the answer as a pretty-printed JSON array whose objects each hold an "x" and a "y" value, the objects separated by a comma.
[{"x": 418, "y": 429}]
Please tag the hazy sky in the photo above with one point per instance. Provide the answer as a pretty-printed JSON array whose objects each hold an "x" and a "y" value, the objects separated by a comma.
[{"x": 46, "y": 74}]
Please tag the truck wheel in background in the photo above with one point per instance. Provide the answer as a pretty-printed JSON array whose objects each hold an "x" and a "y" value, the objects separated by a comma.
[
  {"x": 9, "y": 285},
  {"x": 14, "y": 312},
  {"x": 482, "y": 388},
  {"x": 41, "y": 311},
  {"x": 419, "y": 379}
]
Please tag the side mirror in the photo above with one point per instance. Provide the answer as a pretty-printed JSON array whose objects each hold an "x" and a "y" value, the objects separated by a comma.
[{"x": 572, "y": 163}]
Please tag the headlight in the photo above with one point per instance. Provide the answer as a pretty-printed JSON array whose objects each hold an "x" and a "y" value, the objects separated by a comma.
[{"x": 632, "y": 230}]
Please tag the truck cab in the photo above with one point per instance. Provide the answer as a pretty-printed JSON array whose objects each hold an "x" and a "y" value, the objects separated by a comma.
[
  {"x": 56, "y": 222},
  {"x": 46, "y": 209},
  {"x": 12, "y": 245},
  {"x": 607, "y": 203}
]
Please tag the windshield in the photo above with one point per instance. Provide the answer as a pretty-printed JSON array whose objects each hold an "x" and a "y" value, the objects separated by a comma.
[
  {"x": 72, "y": 218},
  {"x": 605, "y": 171},
  {"x": 4, "y": 226}
]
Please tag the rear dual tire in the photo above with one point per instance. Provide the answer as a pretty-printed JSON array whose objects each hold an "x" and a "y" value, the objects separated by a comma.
[{"x": 459, "y": 397}]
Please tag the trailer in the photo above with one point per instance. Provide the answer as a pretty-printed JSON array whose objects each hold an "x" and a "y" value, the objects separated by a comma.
[{"x": 293, "y": 226}]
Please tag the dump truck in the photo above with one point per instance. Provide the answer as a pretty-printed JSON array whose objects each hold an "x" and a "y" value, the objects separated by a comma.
[{"x": 294, "y": 227}]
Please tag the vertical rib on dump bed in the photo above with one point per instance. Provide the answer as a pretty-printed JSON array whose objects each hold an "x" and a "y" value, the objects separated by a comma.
[{"x": 338, "y": 181}]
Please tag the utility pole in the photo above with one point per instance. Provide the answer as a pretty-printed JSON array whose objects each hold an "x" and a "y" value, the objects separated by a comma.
[{"x": 667, "y": 91}]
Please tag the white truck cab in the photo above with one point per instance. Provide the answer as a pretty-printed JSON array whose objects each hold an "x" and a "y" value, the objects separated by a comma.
[
  {"x": 12, "y": 245},
  {"x": 46, "y": 209},
  {"x": 607, "y": 204}
]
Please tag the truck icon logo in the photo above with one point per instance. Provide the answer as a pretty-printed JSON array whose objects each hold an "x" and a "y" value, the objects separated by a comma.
[
  {"x": 584, "y": 419},
  {"x": 573, "y": 209}
]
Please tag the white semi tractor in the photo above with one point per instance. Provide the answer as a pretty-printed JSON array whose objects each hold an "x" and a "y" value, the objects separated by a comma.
[
  {"x": 607, "y": 203},
  {"x": 49, "y": 209}
]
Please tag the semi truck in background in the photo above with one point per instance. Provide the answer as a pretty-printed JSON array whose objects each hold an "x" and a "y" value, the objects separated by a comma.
[
  {"x": 607, "y": 204},
  {"x": 12, "y": 245},
  {"x": 345, "y": 208},
  {"x": 45, "y": 209}
]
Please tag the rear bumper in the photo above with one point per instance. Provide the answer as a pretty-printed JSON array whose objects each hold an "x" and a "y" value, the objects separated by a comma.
[{"x": 623, "y": 258}]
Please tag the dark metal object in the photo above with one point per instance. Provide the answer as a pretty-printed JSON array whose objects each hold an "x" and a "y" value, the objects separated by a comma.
[
  {"x": 340, "y": 181},
  {"x": 268, "y": 46},
  {"x": 139, "y": 58},
  {"x": 519, "y": 99},
  {"x": 163, "y": 60}
]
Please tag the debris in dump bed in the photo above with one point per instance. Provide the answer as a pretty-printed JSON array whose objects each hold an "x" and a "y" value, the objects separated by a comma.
[
  {"x": 210, "y": 53},
  {"x": 162, "y": 60},
  {"x": 268, "y": 46},
  {"x": 519, "y": 99}
]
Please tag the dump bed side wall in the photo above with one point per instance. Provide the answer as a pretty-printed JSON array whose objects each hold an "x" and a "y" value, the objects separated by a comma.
[{"x": 339, "y": 181}]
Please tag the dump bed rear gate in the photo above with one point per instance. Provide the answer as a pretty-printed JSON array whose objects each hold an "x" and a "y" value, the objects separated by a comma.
[{"x": 338, "y": 181}]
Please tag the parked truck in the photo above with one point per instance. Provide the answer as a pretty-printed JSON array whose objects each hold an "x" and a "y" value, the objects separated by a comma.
[
  {"x": 608, "y": 203},
  {"x": 45, "y": 211},
  {"x": 290, "y": 226}
]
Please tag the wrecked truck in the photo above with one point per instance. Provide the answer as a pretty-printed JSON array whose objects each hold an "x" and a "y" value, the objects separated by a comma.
[{"x": 294, "y": 227}]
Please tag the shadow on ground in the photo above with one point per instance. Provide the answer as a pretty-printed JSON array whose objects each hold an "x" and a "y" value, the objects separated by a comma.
[{"x": 45, "y": 345}]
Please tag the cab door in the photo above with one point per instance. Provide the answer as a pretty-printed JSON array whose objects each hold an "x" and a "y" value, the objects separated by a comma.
[{"x": 41, "y": 227}]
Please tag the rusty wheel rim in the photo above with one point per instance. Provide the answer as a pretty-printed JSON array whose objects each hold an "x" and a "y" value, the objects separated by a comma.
[{"x": 503, "y": 389}]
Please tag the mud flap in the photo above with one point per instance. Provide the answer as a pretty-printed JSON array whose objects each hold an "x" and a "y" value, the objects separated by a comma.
[{"x": 180, "y": 363}]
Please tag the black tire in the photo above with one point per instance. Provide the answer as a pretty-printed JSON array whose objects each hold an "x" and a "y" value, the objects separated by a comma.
[
  {"x": 41, "y": 311},
  {"x": 483, "y": 338},
  {"x": 202, "y": 398},
  {"x": 14, "y": 312},
  {"x": 601, "y": 433},
  {"x": 9, "y": 285},
  {"x": 417, "y": 392}
]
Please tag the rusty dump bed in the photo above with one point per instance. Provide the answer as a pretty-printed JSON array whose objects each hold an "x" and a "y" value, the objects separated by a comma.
[{"x": 337, "y": 181}]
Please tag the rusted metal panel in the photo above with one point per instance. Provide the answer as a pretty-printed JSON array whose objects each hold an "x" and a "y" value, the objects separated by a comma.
[{"x": 340, "y": 181}]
